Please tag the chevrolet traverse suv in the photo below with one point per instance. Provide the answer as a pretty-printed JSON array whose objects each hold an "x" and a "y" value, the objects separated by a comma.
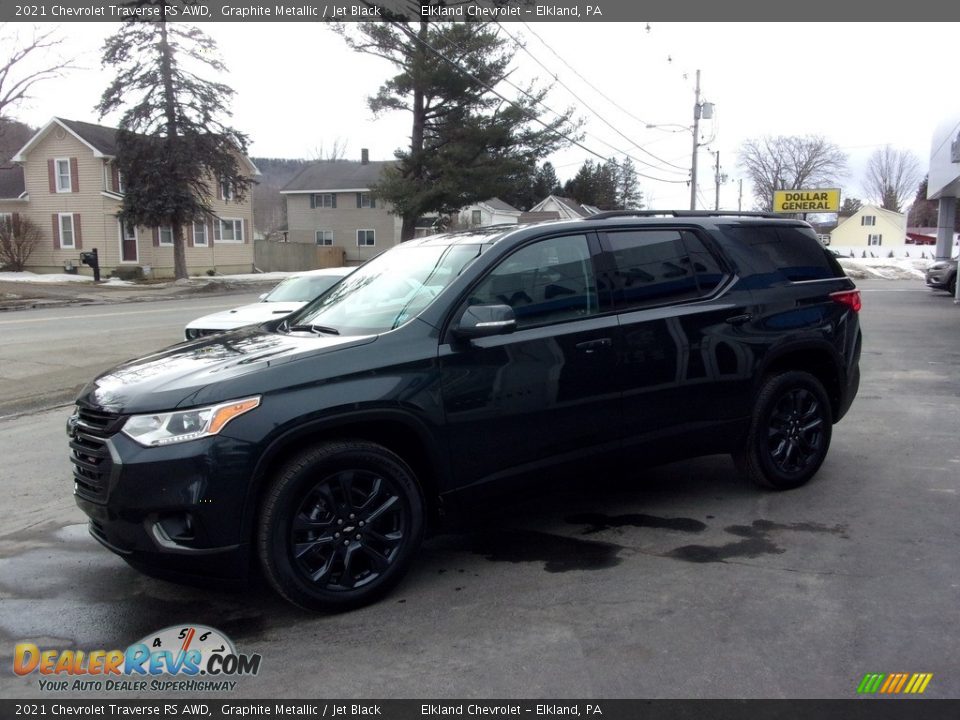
[{"x": 317, "y": 448}]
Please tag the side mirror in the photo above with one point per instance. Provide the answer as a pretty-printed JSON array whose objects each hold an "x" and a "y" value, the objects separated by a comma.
[
  {"x": 263, "y": 296},
  {"x": 480, "y": 321}
]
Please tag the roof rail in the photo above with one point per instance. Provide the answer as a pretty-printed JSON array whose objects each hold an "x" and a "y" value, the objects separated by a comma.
[{"x": 681, "y": 214}]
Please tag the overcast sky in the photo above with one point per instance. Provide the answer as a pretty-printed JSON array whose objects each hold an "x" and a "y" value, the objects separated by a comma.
[{"x": 861, "y": 85}]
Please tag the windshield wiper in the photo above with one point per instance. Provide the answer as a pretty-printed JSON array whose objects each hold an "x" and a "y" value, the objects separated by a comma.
[{"x": 318, "y": 329}]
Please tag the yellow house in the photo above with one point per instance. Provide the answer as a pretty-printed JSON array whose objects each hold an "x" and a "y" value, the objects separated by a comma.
[
  {"x": 871, "y": 228},
  {"x": 65, "y": 181}
]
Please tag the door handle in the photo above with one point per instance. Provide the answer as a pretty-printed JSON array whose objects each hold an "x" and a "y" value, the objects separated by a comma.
[
  {"x": 591, "y": 346},
  {"x": 740, "y": 319}
]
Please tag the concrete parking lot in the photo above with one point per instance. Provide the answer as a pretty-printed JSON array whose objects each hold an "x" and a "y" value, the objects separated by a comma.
[{"x": 680, "y": 581}]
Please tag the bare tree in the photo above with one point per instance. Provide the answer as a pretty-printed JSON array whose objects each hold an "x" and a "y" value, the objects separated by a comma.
[
  {"x": 337, "y": 152},
  {"x": 790, "y": 163},
  {"x": 25, "y": 62},
  {"x": 891, "y": 177},
  {"x": 18, "y": 238}
]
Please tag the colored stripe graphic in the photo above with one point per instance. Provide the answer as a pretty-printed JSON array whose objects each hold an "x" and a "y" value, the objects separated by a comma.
[{"x": 894, "y": 683}]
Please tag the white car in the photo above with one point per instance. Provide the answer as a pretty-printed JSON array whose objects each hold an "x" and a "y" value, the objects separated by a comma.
[{"x": 291, "y": 294}]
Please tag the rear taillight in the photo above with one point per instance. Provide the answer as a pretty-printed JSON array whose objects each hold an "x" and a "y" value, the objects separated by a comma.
[{"x": 850, "y": 298}]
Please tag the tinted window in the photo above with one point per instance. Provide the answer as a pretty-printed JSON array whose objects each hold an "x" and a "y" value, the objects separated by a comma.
[
  {"x": 708, "y": 271},
  {"x": 651, "y": 267},
  {"x": 794, "y": 251},
  {"x": 549, "y": 281}
]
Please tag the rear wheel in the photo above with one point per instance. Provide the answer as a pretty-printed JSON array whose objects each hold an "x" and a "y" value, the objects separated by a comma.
[
  {"x": 952, "y": 286},
  {"x": 340, "y": 525},
  {"x": 790, "y": 431}
]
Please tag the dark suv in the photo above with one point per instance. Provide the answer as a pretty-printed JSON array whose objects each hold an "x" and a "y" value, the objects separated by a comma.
[{"x": 318, "y": 447}]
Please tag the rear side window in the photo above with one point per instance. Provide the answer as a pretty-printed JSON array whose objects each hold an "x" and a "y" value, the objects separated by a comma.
[
  {"x": 794, "y": 251},
  {"x": 657, "y": 267}
]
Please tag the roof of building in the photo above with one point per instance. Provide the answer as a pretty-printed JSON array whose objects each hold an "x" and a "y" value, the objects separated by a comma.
[
  {"x": 12, "y": 185},
  {"x": 331, "y": 175},
  {"x": 101, "y": 139},
  {"x": 571, "y": 207},
  {"x": 532, "y": 217},
  {"x": 498, "y": 204}
]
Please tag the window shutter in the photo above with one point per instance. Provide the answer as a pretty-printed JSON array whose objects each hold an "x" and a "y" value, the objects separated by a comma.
[
  {"x": 358, "y": 199},
  {"x": 333, "y": 197},
  {"x": 74, "y": 176},
  {"x": 52, "y": 176},
  {"x": 313, "y": 201},
  {"x": 56, "y": 231},
  {"x": 219, "y": 189},
  {"x": 77, "y": 235},
  {"x": 243, "y": 231},
  {"x": 115, "y": 178},
  {"x": 373, "y": 202},
  {"x": 189, "y": 233},
  {"x": 156, "y": 237},
  {"x": 210, "y": 233},
  {"x": 14, "y": 219}
]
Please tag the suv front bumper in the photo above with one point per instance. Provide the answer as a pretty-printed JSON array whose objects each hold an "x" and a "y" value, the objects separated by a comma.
[{"x": 172, "y": 511}]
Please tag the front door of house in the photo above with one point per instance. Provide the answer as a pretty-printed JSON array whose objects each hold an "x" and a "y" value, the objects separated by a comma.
[{"x": 128, "y": 244}]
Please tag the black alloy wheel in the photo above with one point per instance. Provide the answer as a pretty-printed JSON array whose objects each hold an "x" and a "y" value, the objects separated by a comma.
[
  {"x": 340, "y": 525},
  {"x": 790, "y": 431}
]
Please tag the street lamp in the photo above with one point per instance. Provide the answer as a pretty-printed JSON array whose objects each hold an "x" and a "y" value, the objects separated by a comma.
[{"x": 700, "y": 110}]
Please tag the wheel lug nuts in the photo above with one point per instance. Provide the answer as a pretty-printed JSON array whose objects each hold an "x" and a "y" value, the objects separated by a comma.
[
  {"x": 358, "y": 537},
  {"x": 340, "y": 521},
  {"x": 336, "y": 535},
  {"x": 352, "y": 516},
  {"x": 362, "y": 523},
  {"x": 346, "y": 542}
]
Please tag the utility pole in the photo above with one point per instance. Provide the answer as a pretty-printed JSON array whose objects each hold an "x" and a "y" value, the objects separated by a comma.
[
  {"x": 740, "y": 197},
  {"x": 716, "y": 177},
  {"x": 696, "y": 138}
]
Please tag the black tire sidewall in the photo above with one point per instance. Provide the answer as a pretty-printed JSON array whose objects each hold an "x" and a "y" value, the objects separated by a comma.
[
  {"x": 285, "y": 496},
  {"x": 770, "y": 395}
]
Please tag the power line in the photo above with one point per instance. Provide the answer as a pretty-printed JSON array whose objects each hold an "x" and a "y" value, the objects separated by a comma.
[
  {"x": 409, "y": 33},
  {"x": 590, "y": 109}
]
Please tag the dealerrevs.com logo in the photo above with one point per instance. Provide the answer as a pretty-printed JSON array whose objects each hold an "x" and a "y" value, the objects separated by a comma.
[{"x": 186, "y": 658}]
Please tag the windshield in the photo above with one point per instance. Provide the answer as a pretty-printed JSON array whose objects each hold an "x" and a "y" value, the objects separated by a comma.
[
  {"x": 389, "y": 290},
  {"x": 303, "y": 288}
]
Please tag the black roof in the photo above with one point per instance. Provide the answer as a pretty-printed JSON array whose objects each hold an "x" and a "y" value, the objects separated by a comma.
[
  {"x": 11, "y": 182},
  {"x": 101, "y": 137},
  {"x": 337, "y": 175}
]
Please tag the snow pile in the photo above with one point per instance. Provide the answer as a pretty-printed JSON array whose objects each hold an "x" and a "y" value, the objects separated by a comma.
[
  {"x": 44, "y": 278},
  {"x": 246, "y": 277},
  {"x": 885, "y": 268}
]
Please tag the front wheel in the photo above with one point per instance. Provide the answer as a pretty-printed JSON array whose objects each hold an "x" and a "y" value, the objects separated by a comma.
[
  {"x": 790, "y": 432},
  {"x": 340, "y": 525}
]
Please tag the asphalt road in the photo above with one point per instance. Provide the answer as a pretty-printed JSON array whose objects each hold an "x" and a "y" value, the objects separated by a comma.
[
  {"x": 680, "y": 581},
  {"x": 47, "y": 355}
]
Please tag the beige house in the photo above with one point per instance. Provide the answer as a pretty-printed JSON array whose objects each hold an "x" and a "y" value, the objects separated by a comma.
[
  {"x": 65, "y": 180},
  {"x": 330, "y": 204},
  {"x": 872, "y": 229}
]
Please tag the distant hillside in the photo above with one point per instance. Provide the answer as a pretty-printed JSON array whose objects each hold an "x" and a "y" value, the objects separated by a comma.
[
  {"x": 13, "y": 136},
  {"x": 269, "y": 212}
]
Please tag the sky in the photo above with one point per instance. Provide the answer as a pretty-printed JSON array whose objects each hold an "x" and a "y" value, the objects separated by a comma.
[{"x": 300, "y": 91}]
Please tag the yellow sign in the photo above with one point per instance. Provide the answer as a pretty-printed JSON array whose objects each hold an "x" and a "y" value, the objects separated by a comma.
[{"x": 797, "y": 201}]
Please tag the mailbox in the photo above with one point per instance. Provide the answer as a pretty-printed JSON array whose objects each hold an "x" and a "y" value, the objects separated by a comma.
[{"x": 91, "y": 259}]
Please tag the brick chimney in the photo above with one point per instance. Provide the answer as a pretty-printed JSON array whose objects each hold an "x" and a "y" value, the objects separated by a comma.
[{"x": 364, "y": 156}]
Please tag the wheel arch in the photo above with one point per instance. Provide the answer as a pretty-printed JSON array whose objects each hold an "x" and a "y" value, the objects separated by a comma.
[
  {"x": 819, "y": 359},
  {"x": 399, "y": 432}
]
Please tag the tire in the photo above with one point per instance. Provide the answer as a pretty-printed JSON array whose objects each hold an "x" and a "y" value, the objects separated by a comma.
[
  {"x": 789, "y": 433},
  {"x": 339, "y": 526},
  {"x": 952, "y": 286}
]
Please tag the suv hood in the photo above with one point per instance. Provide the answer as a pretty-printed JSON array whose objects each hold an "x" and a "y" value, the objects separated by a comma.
[
  {"x": 218, "y": 365},
  {"x": 252, "y": 314}
]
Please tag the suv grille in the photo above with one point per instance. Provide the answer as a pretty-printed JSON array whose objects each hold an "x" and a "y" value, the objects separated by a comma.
[{"x": 89, "y": 453}]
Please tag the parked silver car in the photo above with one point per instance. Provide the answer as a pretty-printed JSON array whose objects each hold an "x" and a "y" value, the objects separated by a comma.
[
  {"x": 942, "y": 275},
  {"x": 291, "y": 294}
]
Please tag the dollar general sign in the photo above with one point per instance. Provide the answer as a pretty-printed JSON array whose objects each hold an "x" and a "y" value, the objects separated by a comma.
[{"x": 794, "y": 201}]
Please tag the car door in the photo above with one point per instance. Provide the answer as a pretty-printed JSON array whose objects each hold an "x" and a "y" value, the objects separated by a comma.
[
  {"x": 546, "y": 392},
  {"x": 685, "y": 362}
]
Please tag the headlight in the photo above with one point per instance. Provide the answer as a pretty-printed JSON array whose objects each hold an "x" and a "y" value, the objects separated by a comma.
[
  {"x": 192, "y": 333},
  {"x": 183, "y": 425}
]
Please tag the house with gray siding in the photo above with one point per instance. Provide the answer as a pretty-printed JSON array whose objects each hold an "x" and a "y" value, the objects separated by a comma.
[{"x": 331, "y": 203}]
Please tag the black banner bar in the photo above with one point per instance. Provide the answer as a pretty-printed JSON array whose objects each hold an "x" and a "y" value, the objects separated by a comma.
[
  {"x": 307, "y": 709},
  {"x": 461, "y": 10}
]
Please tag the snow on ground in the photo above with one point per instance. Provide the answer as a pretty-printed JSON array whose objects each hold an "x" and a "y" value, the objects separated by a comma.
[
  {"x": 885, "y": 268},
  {"x": 43, "y": 278}
]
